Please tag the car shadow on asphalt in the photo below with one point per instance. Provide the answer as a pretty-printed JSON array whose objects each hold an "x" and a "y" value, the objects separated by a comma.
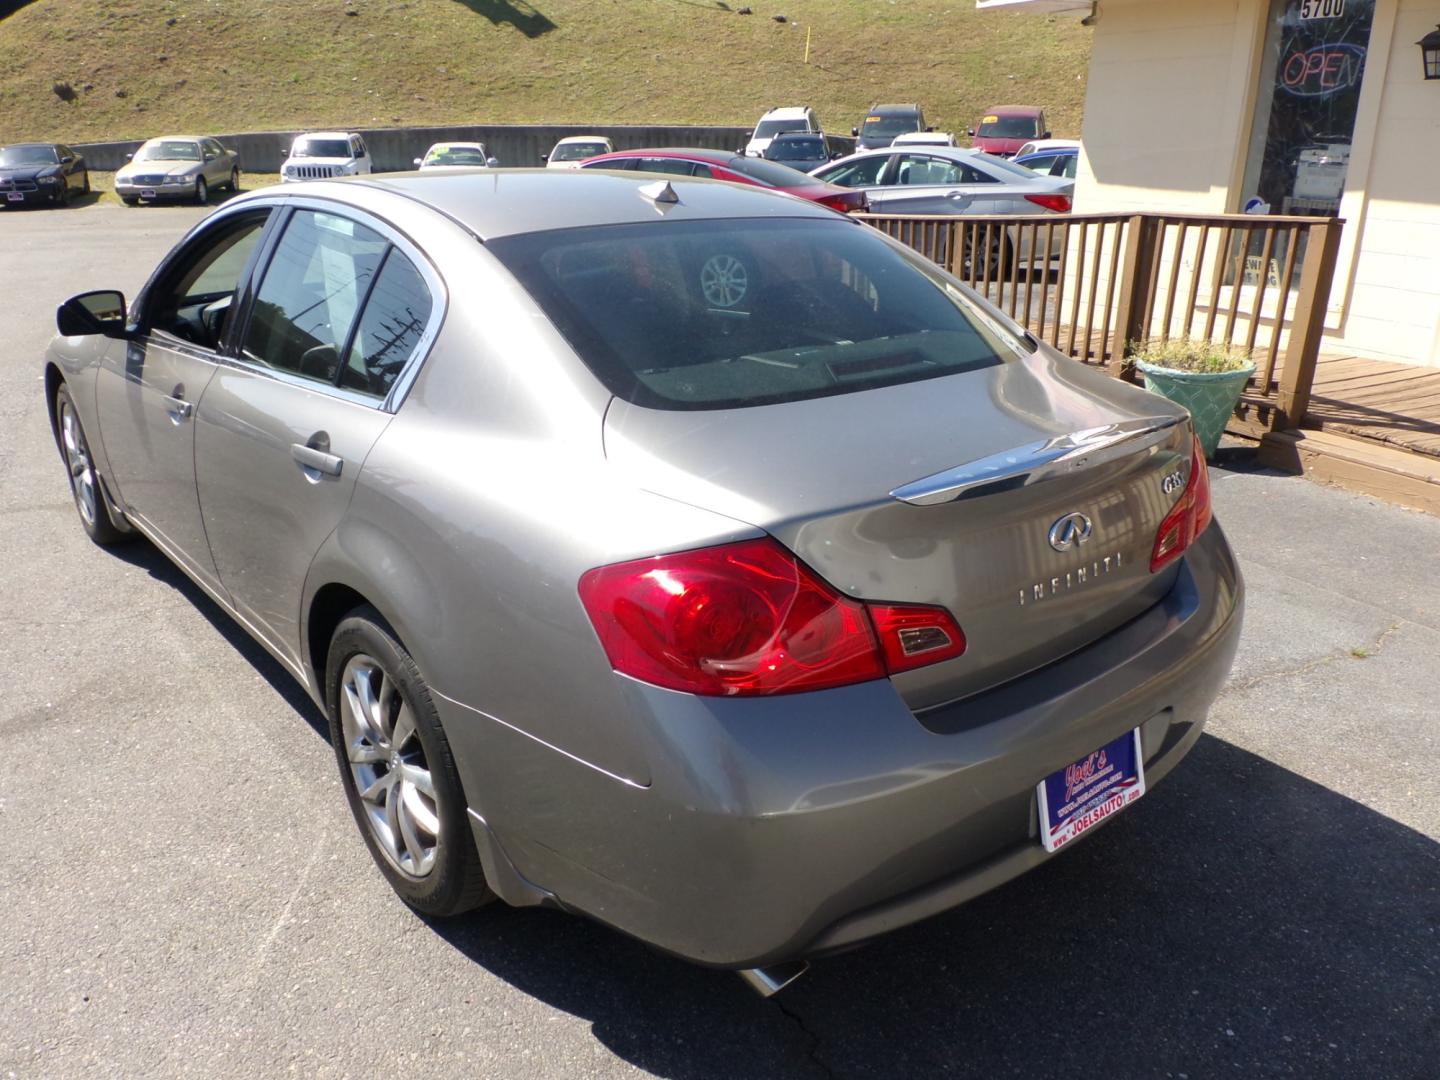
[
  {"x": 144, "y": 555},
  {"x": 1239, "y": 919}
]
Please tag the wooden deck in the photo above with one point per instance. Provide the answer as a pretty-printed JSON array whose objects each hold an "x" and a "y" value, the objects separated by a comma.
[{"x": 1394, "y": 404}]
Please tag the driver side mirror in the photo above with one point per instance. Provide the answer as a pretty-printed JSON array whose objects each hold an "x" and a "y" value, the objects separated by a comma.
[
  {"x": 855, "y": 132},
  {"x": 130, "y": 157},
  {"x": 544, "y": 157},
  {"x": 67, "y": 160},
  {"x": 91, "y": 313},
  {"x": 492, "y": 162},
  {"x": 1047, "y": 135},
  {"x": 417, "y": 163},
  {"x": 970, "y": 132}
]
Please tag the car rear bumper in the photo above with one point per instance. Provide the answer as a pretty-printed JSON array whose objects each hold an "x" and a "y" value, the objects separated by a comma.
[{"x": 790, "y": 826}]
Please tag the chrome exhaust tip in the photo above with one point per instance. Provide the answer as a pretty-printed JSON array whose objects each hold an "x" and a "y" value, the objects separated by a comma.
[{"x": 768, "y": 981}]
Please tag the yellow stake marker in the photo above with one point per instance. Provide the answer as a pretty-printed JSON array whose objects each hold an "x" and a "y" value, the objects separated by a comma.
[{"x": 807, "y": 44}]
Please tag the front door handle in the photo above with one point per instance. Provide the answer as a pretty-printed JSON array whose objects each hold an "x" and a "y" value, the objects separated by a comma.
[
  {"x": 319, "y": 460},
  {"x": 179, "y": 408}
]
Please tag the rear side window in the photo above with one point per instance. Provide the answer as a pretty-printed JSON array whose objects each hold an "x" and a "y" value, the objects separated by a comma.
[
  {"x": 727, "y": 314},
  {"x": 317, "y": 279},
  {"x": 393, "y": 323}
]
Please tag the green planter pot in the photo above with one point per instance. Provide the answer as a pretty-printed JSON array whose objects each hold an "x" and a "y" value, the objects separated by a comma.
[{"x": 1210, "y": 396}]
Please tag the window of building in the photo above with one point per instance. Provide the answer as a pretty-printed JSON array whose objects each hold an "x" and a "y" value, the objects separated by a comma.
[{"x": 1311, "y": 73}]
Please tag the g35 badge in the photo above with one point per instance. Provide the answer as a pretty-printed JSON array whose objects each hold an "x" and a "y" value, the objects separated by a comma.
[{"x": 1173, "y": 482}]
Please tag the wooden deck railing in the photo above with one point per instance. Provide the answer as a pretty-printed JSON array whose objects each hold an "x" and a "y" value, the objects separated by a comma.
[{"x": 1094, "y": 284}]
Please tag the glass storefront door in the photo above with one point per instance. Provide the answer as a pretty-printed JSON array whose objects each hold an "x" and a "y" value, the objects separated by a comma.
[{"x": 1313, "y": 65}]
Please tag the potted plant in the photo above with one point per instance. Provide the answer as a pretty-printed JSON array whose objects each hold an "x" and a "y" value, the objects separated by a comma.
[{"x": 1204, "y": 377}]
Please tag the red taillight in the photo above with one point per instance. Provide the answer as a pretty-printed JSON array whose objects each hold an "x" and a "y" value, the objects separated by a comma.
[
  {"x": 912, "y": 635},
  {"x": 849, "y": 202},
  {"x": 1189, "y": 516},
  {"x": 749, "y": 618},
  {"x": 1059, "y": 203}
]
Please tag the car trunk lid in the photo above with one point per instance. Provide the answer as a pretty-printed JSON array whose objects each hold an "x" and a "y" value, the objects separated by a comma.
[{"x": 969, "y": 491}]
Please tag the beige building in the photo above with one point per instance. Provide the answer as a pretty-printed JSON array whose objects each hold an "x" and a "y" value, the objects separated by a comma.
[{"x": 1279, "y": 106}]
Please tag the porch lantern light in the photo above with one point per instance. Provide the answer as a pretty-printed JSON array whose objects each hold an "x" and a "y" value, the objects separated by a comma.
[{"x": 1430, "y": 53}]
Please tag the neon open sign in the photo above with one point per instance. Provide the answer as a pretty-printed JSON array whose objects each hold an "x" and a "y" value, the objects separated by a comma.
[{"x": 1323, "y": 69}]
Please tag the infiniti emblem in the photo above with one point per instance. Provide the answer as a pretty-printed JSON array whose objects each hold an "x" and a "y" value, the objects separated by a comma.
[{"x": 1070, "y": 530}]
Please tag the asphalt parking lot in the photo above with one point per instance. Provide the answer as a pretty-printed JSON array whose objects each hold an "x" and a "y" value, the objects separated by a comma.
[{"x": 186, "y": 893}]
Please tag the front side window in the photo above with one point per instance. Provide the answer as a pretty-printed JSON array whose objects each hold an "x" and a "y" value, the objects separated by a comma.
[
  {"x": 194, "y": 299},
  {"x": 729, "y": 314},
  {"x": 864, "y": 172},
  {"x": 318, "y": 277}
]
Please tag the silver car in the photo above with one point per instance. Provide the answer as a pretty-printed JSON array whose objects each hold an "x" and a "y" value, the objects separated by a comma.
[
  {"x": 177, "y": 167},
  {"x": 678, "y": 553}
]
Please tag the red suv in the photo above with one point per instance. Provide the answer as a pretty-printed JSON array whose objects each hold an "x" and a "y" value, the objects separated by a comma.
[{"x": 1005, "y": 128}]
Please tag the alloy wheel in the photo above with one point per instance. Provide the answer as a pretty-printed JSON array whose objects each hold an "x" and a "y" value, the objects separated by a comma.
[
  {"x": 77, "y": 457},
  {"x": 388, "y": 766},
  {"x": 724, "y": 281}
]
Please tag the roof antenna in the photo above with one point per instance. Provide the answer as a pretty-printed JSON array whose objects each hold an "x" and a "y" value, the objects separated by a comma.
[{"x": 660, "y": 192}]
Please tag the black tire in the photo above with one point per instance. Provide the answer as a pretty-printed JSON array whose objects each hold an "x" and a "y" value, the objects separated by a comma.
[
  {"x": 86, "y": 189},
  {"x": 999, "y": 256},
  {"x": 235, "y": 180},
  {"x": 202, "y": 191},
  {"x": 130, "y": 200},
  {"x": 455, "y": 882},
  {"x": 93, "y": 510}
]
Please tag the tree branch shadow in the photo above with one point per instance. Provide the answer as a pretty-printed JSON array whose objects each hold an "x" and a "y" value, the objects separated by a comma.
[{"x": 523, "y": 16}]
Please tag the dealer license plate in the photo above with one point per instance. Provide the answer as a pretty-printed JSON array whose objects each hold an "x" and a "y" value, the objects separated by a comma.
[
  {"x": 15, "y": 196},
  {"x": 1075, "y": 799}
]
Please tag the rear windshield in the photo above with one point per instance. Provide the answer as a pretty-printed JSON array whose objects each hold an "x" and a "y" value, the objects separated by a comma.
[
  {"x": 767, "y": 172},
  {"x": 578, "y": 151},
  {"x": 27, "y": 155},
  {"x": 1010, "y": 127},
  {"x": 322, "y": 148},
  {"x": 889, "y": 126},
  {"x": 787, "y": 148},
  {"x": 729, "y": 314},
  {"x": 766, "y": 128},
  {"x": 169, "y": 150}
]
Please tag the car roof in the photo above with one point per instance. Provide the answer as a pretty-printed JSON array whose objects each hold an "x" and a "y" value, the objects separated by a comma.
[
  {"x": 504, "y": 202},
  {"x": 582, "y": 138},
  {"x": 178, "y": 138},
  {"x": 325, "y": 134},
  {"x": 1050, "y": 151},
  {"x": 27, "y": 145},
  {"x": 692, "y": 153},
  {"x": 883, "y": 109},
  {"x": 1014, "y": 110},
  {"x": 786, "y": 111},
  {"x": 456, "y": 146}
]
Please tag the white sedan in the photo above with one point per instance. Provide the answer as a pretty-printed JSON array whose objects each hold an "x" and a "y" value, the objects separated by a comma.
[{"x": 456, "y": 155}]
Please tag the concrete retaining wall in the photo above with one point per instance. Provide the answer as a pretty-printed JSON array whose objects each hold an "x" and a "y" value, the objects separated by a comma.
[{"x": 396, "y": 148}]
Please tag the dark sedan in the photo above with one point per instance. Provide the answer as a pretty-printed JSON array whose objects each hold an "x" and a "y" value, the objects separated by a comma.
[
  {"x": 737, "y": 169},
  {"x": 800, "y": 150},
  {"x": 41, "y": 174}
]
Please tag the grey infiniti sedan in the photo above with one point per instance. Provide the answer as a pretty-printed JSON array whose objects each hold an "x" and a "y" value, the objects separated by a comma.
[{"x": 685, "y": 555}]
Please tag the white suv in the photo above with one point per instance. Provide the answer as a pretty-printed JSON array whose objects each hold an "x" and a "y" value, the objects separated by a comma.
[
  {"x": 778, "y": 121},
  {"x": 319, "y": 155}
]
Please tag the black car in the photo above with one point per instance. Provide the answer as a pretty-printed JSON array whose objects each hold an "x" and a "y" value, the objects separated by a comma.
[
  {"x": 44, "y": 174},
  {"x": 801, "y": 150},
  {"x": 884, "y": 122}
]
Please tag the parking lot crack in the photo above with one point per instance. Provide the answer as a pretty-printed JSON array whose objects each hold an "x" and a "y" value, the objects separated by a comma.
[
  {"x": 812, "y": 1049},
  {"x": 1361, "y": 652}
]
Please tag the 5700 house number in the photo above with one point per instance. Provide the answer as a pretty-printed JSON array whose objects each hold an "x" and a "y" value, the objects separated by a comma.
[{"x": 1322, "y": 9}]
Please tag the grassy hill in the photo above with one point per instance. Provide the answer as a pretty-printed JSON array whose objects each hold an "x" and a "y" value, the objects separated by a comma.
[{"x": 134, "y": 68}]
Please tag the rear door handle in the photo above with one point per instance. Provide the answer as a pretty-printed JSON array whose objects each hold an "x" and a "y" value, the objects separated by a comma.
[
  {"x": 319, "y": 460},
  {"x": 179, "y": 408}
]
